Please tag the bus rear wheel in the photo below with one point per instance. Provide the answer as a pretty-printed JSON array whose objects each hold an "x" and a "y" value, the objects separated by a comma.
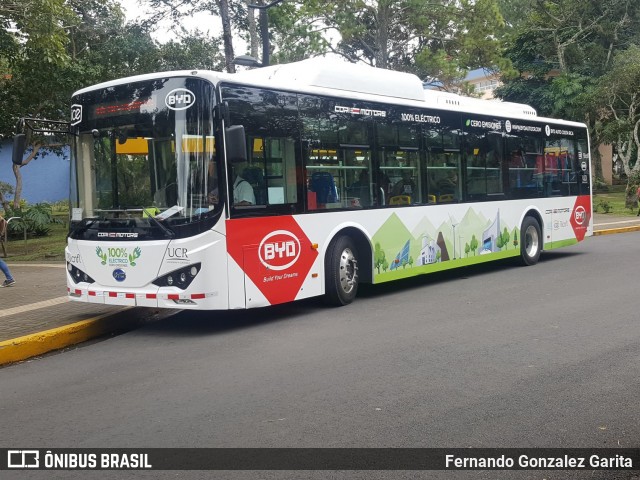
[
  {"x": 530, "y": 241},
  {"x": 341, "y": 272}
]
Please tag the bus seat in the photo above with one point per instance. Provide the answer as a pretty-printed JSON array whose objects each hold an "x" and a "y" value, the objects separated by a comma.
[
  {"x": 324, "y": 186},
  {"x": 400, "y": 200}
]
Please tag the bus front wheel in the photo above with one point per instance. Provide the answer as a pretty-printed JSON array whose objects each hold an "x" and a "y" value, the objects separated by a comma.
[
  {"x": 530, "y": 241},
  {"x": 341, "y": 272}
]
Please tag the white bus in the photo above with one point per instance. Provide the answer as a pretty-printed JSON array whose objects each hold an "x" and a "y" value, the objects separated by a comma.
[{"x": 206, "y": 190}]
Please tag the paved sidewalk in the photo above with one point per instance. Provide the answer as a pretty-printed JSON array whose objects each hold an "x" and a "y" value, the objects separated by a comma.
[
  {"x": 606, "y": 224},
  {"x": 35, "y": 311},
  {"x": 38, "y": 301}
]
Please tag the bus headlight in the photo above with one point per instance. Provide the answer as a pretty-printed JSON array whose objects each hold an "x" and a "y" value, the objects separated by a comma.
[
  {"x": 78, "y": 275},
  {"x": 180, "y": 278}
]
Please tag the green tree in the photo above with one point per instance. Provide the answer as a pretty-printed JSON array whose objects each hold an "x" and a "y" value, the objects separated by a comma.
[
  {"x": 515, "y": 238},
  {"x": 379, "y": 257},
  {"x": 28, "y": 26},
  {"x": 440, "y": 39},
  {"x": 98, "y": 46},
  {"x": 503, "y": 239},
  {"x": 560, "y": 49},
  {"x": 474, "y": 245},
  {"x": 467, "y": 249},
  {"x": 233, "y": 19},
  {"x": 617, "y": 96}
]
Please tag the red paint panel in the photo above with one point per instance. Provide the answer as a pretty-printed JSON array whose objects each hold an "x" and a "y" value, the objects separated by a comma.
[
  {"x": 581, "y": 216},
  {"x": 273, "y": 252}
]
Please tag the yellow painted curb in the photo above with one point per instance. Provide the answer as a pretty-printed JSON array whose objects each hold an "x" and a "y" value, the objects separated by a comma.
[
  {"x": 609, "y": 231},
  {"x": 22, "y": 348}
]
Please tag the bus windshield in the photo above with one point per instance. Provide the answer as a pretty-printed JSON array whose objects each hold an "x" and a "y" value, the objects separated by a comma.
[{"x": 143, "y": 160}]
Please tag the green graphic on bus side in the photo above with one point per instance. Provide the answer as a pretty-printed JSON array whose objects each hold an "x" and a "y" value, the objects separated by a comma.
[{"x": 400, "y": 253}]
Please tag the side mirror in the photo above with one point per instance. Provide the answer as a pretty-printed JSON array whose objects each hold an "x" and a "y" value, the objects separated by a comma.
[
  {"x": 19, "y": 145},
  {"x": 236, "y": 144}
]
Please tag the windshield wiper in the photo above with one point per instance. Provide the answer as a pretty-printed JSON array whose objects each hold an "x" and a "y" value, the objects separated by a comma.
[
  {"x": 84, "y": 225},
  {"x": 167, "y": 231}
]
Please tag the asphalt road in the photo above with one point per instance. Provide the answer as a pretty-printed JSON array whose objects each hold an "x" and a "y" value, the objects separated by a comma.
[{"x": 493, "y": 356}]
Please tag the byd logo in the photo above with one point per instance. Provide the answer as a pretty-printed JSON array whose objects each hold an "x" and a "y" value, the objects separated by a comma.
[
  {"x": 580, "y": 215},
  {"x": 279, "y": 250},
  {"x": 179, "y": 99}
]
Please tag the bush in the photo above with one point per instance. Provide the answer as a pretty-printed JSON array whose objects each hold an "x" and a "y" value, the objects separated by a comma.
[
  {"x": 599, "y": 185},
  {"x": 604, "y": 205},
  {"x": 37, "y": 218}
]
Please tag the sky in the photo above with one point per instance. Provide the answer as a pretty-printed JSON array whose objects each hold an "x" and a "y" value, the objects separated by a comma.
[{"x": 135, "y": 9}]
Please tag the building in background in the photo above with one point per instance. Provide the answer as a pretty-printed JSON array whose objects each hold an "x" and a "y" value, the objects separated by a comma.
[
  {"x": 484, "y": 82},
  {"x": 45, "y": 179}
]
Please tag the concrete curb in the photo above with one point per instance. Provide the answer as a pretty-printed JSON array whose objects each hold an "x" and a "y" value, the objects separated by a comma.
[
  {"x": 610, "y": 231},
  {"x": 28, "y": 346}
]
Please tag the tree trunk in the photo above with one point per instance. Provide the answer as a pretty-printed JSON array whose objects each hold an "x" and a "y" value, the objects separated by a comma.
[
  {"x": 18, "y": 174},
  {"x": 382, "y": 36},
  {"x": 227, "y": 38},
  {"x": 18, "y": 190},
  {"x": 253, "y": 32}
]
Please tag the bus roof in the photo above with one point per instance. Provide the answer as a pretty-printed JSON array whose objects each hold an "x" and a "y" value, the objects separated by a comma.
[{"x": 355, "y": 81}]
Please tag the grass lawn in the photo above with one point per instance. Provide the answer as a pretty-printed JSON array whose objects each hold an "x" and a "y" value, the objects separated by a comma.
[
  {"x": 612, "y": 202},
  {"x": 49, "y": 248}
]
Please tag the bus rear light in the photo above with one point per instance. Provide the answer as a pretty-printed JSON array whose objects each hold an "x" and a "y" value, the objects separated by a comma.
[
  {"x": 180, "y": 278},
  {"x": 197, "y": 296},
  {"x": 151, "y": 296}
]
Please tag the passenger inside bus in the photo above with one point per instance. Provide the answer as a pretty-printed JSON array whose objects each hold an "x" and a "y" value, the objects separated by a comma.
[
  {"x": 406, "y": 186},
  {"x": 448, "y": 185},
  {"x": 360, "y": 189},
  {"x": 242, "y": 190}
]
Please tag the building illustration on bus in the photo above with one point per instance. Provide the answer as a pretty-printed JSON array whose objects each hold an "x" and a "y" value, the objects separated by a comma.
[{"x": 208, "y": 190}]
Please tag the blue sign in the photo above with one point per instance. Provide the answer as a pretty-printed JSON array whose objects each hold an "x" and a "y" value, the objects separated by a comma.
[{"x": 119, "y": 275}]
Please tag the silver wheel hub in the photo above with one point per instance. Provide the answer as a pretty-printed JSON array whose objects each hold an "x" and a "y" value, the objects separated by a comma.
[
  {"x": 531, "y": 241},
  {"x": 348, "y": 270}
]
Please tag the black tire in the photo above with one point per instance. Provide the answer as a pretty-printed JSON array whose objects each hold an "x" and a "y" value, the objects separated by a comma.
[
  {"x": 341, "y": 272},
  {"x": 530, "y": 241}
]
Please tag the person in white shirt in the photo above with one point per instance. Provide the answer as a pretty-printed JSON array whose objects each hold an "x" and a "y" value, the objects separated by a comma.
[{"x": 242, "y": 192}]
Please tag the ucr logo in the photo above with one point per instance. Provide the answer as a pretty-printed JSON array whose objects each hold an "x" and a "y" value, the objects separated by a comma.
[
  {"x": 279, "y": 250},
  {"x": 580, "y": 215},
  {"x": 180, "y": 99}
]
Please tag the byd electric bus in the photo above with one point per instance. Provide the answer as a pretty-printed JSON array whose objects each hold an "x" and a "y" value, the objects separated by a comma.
[{"x": 206, "y": 190}]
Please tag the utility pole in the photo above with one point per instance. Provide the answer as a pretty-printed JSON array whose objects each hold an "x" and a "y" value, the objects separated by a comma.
[{"x": 264, "y": 28}]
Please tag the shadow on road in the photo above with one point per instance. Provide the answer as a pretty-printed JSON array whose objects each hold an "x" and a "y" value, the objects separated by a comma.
[{"x": 198, "y": 323}]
